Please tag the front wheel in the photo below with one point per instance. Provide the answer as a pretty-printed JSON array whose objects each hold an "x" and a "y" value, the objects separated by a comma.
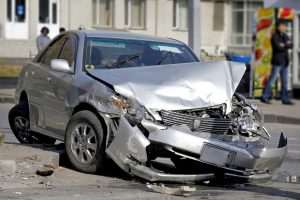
[
  {"x": 85, "y": 143},
  {"x": 19, "y": 122}
]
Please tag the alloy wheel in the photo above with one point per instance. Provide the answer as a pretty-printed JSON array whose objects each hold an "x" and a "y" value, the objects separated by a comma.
[{"x": 83, "y": 143}]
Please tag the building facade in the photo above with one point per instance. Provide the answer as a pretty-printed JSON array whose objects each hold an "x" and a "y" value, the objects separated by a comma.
[{"x": 225, "y": 24}]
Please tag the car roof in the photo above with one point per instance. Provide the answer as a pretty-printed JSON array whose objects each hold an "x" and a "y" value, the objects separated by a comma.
[{"x": 127, "y": 35}]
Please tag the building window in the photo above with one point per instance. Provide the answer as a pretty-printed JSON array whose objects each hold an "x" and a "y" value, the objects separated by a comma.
[
  {"x": 8, "y": 11},
  {"x": 180, "y": 14},
  {"x": 16, "y": 8},
  {"x": 135, "y": 13},
  {"x": 242, "y": 16},
  {"x": 103, "y": 12},
  {"x": 48, "y": 11}
]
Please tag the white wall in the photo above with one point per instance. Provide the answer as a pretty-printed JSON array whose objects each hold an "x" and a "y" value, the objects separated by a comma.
[{"x": 159, "y": 16}]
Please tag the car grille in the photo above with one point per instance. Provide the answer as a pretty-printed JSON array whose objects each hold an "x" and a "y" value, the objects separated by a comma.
[{"x": 209, "y": 125}]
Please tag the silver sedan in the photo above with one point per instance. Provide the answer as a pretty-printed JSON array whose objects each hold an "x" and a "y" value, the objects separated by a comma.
[{"x": 137, "y": 99}]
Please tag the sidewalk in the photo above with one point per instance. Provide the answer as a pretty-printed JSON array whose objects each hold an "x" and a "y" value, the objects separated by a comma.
[
  {"x": 33, "y": 157},
  {"x": 279, "y": 113},
  {"x": 274, "y": 113}
]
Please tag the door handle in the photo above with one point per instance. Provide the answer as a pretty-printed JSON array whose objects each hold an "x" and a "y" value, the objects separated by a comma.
[{"x": 49, "y": 80}]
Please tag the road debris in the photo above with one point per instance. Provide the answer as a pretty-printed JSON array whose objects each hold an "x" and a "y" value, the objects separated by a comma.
[
  {"x": 293, "y": 179},
  {"x": 179, "y": 191},
  {"x": 44, "y": 172}
]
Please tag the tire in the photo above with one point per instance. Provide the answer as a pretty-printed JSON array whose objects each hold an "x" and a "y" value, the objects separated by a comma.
[
  {"x": 18, "y": 118},
  {"x": 85, "y": 142}
]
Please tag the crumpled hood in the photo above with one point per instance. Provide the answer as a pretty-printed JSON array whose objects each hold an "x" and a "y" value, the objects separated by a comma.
[{"x": 177, "y": 86}]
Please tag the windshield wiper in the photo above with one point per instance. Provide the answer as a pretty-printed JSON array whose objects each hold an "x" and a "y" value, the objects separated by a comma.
[
  {"x": 163, "y": 58},
  {"x": 129, "y": 58}
]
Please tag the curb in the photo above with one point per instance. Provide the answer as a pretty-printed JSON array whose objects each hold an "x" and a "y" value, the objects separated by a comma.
[
  {"x": 281, "y": 119},
  {"x": 9, "y": 81},
  {"x": 7, "y": 99},
  {"x": 33, "y": 158}
]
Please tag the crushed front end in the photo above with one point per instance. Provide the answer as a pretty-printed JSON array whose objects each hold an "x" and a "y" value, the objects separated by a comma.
[{"x": 193, "y": 145}]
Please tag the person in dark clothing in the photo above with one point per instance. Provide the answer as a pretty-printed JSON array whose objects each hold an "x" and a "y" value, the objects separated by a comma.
[{"x": 280, "y": 61}]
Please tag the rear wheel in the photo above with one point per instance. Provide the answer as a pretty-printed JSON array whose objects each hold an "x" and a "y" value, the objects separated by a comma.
[
  {"x": 20, "y": 125},
  {"x": 85, "y": 143}
]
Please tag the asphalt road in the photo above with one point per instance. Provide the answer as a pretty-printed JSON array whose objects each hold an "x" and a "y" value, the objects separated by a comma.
[{"x": 68, "y": 184}]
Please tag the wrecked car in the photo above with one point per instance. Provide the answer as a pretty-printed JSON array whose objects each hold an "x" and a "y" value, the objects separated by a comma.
[{"x": 146, "y": 103}]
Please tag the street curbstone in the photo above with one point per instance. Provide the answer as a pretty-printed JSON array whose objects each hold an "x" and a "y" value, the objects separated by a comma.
[
  {"x": 32, "y": 158},
  {"x": 7, "y": 99},
  {"x": 7, "y": 167},
  {"x": 288, "y": 120},
  {"x": 281, "y": 119},
  {"x": 270, "y": 118}
]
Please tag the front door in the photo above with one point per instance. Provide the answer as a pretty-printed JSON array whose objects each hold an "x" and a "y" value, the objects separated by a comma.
[
  {"x": 16, "y": 25},
  {"x": 57, "y": 113},
  {"x": 41, "y": 90},
  {"x": 49, "y": 16}
]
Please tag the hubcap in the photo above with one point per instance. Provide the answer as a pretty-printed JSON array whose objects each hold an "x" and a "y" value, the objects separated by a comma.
[
  {"x": 83, "y": 143},
  {"x": 22, "y": 127}
]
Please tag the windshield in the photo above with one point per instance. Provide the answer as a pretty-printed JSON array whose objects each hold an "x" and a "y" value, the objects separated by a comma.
[{"x": 118, "y": 53}]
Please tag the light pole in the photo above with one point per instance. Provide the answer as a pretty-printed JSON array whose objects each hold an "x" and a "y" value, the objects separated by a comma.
[{"x": 194, "y": 26}]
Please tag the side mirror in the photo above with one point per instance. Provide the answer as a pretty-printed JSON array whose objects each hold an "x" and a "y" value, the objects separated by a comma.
[{"x": 61, "y": 65}]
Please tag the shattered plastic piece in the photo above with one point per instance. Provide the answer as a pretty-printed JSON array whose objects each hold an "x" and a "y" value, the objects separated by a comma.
[
  {"x": 179, "y": 191},
  {"x": 293, "y": 179},
  {"x": 49, "y": 185},
  {"x": 18, "y": 193}
]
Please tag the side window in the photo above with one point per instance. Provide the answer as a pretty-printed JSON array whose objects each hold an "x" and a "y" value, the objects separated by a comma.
[
  {"x": 52, "y": 52},
  {"x": 68, "y": 51}
]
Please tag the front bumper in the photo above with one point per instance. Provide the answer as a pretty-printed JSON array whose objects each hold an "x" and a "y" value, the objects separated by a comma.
[{"x": 243, "y": 161}]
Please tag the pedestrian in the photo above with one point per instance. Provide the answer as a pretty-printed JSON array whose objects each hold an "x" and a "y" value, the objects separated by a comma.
[
  {"x": 281, "y": 43},
  {"x": 62, "y": 29},
  {"x": 43, "y": 39}
]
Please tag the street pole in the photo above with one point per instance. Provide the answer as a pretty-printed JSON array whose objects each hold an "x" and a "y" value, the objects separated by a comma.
[{"x": 194, "y": 26}]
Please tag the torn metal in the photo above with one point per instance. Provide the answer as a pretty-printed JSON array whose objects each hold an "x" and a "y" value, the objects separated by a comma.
[
  {"x": 177, "y": 86},
  {"x": 221, "y": 137}
]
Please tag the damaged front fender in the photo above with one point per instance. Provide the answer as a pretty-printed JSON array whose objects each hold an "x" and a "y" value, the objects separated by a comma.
[
  {"x": 128, "y": 144},
  {"x": 128, "y": 150},
  {"x": 244, "y": 160}
]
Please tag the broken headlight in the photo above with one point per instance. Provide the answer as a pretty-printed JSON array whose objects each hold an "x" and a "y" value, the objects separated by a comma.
[{"x": 130, "y": 107}]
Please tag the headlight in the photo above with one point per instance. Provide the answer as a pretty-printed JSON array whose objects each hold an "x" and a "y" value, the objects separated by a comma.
[
  {"x": 120, "y": 102},
  {"x": 130, "y": 107}
]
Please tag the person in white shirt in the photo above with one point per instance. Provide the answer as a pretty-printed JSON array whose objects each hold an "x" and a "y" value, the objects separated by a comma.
[{"x": 43, "y": 39}]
